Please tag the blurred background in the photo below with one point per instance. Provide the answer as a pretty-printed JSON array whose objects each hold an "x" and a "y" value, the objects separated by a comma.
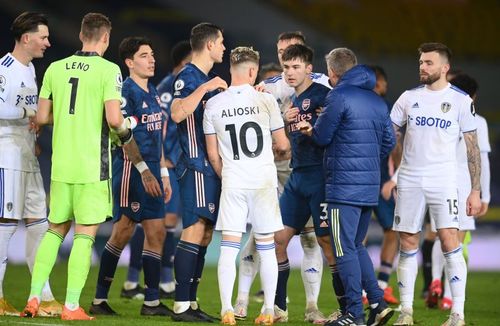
[{"x": 385, "y": 33}]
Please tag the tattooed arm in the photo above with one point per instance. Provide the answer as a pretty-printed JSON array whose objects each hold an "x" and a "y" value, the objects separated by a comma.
[
  {"x": 474, "y": 162},
  {"x": 151, "y": 185}
]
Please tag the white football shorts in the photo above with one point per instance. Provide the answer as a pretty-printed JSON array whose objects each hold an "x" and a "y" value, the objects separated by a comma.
[
  {"x": 260, "y": 207},
  {"x": 22, "y": 195},
  {"x": 413, "y": 203}
]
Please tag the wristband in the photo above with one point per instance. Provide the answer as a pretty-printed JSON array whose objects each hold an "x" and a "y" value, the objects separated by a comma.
[
  {"x": 164, "y": 172},
  {"x": 141, "y": 166}
]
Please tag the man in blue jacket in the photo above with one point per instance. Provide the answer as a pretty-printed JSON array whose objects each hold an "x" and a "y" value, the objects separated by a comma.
[{"x": 357, "y": 133}]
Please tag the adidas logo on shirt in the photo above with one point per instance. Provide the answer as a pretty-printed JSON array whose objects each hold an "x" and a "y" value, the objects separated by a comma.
[
  {"x": 415, "y": 105},
  {"x": 22, "y": 85},
  {"x": 144, "y": 105},
  {"x": 455, "y": 279}
]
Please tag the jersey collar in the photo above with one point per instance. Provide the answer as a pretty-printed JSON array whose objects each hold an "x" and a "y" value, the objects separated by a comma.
[{"x": 86, "y": 53}]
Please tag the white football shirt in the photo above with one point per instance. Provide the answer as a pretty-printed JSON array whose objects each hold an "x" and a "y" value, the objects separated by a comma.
[
  {"x": 484, "y": 146},
  {"x": 282, "y": 92},
  {"x": 434, "y": 121},
  {"x": 243, "y": 119},
  {"x": 18, "y": 89}
]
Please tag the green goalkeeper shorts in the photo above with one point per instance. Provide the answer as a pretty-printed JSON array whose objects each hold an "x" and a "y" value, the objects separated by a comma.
[{"x": 86, "y": 203}]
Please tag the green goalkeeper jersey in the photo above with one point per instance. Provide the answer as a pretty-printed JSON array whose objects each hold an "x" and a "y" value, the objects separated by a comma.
[{"x": 78, "y": 86}]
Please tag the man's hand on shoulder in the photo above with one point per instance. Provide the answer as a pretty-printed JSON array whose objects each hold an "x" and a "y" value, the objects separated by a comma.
[{"x": 215, "y": 83}]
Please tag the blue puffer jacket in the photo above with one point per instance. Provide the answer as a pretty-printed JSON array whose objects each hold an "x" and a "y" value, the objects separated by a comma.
[{"x": 357, "y": 133}]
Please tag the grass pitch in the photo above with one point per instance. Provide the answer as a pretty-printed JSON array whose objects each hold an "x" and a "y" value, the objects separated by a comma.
[{"x": 483, "y": 299}]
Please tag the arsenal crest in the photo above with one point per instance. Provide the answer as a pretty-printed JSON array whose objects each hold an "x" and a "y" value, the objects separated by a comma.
[
  {"x": 306, "y": 104},
  {"x": 445, "y": 107},
  {"x": 135, "y": 206},
  {"x": 211, "y": 207}
]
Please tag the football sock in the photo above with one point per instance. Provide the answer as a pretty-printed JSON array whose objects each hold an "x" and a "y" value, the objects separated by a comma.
[
  {"x": 167, "y": 260},
  {"x": 338, "y": 288},
  {"x": 283, "y": 274},
  {"x": 226, "y": 272},
  {"x": 249, "y": 265},
  {"x": 312, "y": 268},
  {"x": 438, "y": 260},
  {"x": 268, "y": 271},
  {"x": 44, "y": 262},
  {"x": 135, "y": 264},
  {"x": 384, "y": 273},
  {"x": 109, "y": 260},
  {"x": 197, "y": 273},
  {"x": 152, "y": 265},
  {"x": 427, "y": 263},
  {"x": 407, "y": 274},
  {"x": 6, "y": 232},
  {"x": 78, "y": 268},
  {"x": 457, "y": 275},
  {"x": 185, "y": 260}
]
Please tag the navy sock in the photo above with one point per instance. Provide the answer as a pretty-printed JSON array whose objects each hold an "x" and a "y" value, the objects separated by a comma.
[
  {"x": 107, "y": 269},
  {"x": 283, "y": 274},
  {"x": 197, "y": 273},
  {"x": 135, "y": 264},
  {"x": 338, "y": 288},
  {"x": 185, "y": 260},
  {"x": 167, "y": 260},
  {"x": 151, "y": 262},
  {"x": 427, "y": 263},
  {"x": 384, "y": 271}
]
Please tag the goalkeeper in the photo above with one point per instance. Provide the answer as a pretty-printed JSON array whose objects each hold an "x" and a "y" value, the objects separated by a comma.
[{"x": 81, "y": 96}]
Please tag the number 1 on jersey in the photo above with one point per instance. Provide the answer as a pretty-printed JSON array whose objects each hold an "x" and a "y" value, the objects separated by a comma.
[{"x": 74, "y": 87}]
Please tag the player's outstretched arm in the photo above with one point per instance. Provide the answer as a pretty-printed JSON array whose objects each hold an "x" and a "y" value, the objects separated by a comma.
[
  {"x": 281, "y": 144},
  {"x": 474, "y": 162},
  {"x": 181, "y": 108},
  {"x": 44, "y": 112}
]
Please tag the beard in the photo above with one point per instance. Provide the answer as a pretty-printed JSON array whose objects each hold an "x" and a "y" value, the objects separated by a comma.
[{"x": 429, "y": 79}]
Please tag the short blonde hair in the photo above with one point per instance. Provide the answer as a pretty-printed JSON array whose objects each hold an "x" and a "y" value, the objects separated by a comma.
[{"x": 243, "y": 54}]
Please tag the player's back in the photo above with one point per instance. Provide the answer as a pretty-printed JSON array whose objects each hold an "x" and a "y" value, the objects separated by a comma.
[
  {"x": 243, "y": 120},
  {"x": 78, "y": 87}
]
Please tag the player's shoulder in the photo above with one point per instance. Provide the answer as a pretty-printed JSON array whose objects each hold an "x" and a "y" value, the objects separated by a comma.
[
  {"x": 6, "y": 62},
  {"x": 321, "y": 78},
  {"x": 274, "y": 80},
  {"x": 456, "y": 89},
  {"x": 320, "y": 88}
]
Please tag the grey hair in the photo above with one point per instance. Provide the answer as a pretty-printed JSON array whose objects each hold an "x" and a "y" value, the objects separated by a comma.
[{"x": 340, "y": 60}]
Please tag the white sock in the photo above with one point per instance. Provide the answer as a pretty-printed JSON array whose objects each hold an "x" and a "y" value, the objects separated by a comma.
[
  {"x": 457, "y": 275},
  {"x": 153, "y": 303},
  {"x": 446, "y": 286},
  {"x": 181, "y": 306},
  {"x": 438, "y": 261},
  {"x": 35, "y": 232},
  {"x": 312, "y": 268},
  {"x": 226, "y": 272},
  {"x": 407, "y": 274},
  {"x": 268, "y": 271},
  {"x": 249, "y": 265},
  {"x": 6, "y": 232},
  {"x": 72, "y": 306},
  {"x": 127, "y": 285},
  {"x": 168, "y": 287}
]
